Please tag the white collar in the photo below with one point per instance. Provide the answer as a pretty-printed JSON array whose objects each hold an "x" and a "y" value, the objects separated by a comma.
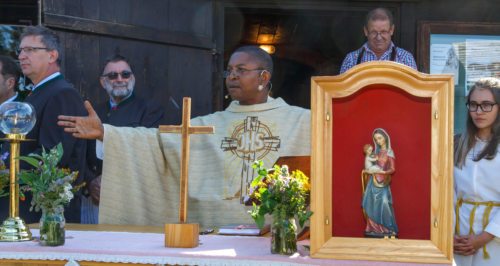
[
  {"x": 271, "y": 103},
  {"x": 45, "y": 80},
  {"x": 11, "y": 99}
]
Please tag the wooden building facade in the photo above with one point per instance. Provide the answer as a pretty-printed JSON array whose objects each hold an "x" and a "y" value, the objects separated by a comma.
[{"x": 179, "y": 47}]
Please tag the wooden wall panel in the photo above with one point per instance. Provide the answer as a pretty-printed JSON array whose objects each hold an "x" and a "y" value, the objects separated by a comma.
[
  {"x": 169, "y": 44},
  {"x": 187, "y": 16},
  {"x": 79, "y": 64},
  {"x": 186, "y": 64},
  {"x": 151, "y": 13},
  {"x": 76, "y": 8}
]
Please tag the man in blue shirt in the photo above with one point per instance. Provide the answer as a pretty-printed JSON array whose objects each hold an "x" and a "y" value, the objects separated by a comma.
[{"x": 379, "y": 27}]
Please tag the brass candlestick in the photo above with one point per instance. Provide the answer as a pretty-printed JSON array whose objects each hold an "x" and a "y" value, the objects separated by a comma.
[
  {"x": 16, "y": 120},
  {"x": 14, "y": 228}
]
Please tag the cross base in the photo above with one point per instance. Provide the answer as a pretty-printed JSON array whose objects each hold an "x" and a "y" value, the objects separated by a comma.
[{"x": 182, "y": 235}]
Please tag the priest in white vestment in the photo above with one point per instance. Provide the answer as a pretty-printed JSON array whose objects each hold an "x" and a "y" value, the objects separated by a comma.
[{"x": 141, "y": 168}]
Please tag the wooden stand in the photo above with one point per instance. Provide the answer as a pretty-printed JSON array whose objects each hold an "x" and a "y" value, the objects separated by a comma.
[{"x": 183, "y": 235}]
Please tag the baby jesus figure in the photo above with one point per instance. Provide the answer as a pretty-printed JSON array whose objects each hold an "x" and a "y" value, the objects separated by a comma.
[{"x": 371, "y": 166}]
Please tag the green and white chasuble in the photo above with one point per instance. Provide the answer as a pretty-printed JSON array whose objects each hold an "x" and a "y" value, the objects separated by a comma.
[{"x": 141, "y": 169}]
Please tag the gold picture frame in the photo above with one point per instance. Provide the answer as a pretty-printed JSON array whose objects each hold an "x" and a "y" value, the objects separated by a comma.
[{"x": 440, "y": 92}]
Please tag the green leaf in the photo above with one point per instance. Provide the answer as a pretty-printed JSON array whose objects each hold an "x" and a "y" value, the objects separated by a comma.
[
  {"x": 32, "y": 161},
  {"x": 259, "y": 220},
  {"x": 60, "y": 152},
  {"x": 256, "y": 181},
  {"x": 262, "y": 172},
  {"x": 258, "y": 164},
  {"x": 304, "y": 218},
  {"x": 36, "y": 155}
]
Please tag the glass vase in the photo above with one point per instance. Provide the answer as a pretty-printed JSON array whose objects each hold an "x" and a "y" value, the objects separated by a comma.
[
  {"x": 283, "y": 235},
  {"x": 52, "y": 224}
]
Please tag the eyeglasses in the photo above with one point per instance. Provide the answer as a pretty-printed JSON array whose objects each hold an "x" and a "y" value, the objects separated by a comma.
[
  {"x": 238, "y": 71},
  {"x": 114, "y": 75},
  {"x": 29, "y": 50},
  {"x": 375, "y": 34},
  {"x": 485, "y": 106}
]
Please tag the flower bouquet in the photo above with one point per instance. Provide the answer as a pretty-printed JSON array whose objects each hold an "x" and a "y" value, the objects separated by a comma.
[
  {"x": 284, "y": 195},
  {"x": 51, "y": 188}
]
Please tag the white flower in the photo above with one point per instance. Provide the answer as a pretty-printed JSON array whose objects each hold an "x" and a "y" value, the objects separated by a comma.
[
  {"x": 67, "y": 195},
  {"x": 284, "y": 170}
]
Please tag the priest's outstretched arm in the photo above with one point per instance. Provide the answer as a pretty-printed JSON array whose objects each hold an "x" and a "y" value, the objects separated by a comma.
[{"x": 83, "y": 127}]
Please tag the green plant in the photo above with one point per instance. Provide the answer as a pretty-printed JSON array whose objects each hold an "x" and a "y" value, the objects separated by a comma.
[
  {"x": 279, "y": 193},
  {"x": 50, "y": 185},
  {"x": 4, "y": 183},
  {"x": 4, "y": 176}
]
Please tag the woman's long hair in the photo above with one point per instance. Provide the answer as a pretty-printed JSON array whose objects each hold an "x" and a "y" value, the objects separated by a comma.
[{"x": 467, "y": 140}]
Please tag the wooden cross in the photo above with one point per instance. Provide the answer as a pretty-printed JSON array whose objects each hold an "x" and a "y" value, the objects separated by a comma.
[
  {"x": 184, "y": 235},
  {"x": 185, "y": 129}
]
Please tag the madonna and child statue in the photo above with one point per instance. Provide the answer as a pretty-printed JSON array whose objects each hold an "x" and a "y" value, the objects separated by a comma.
[{"x": 376, "y": 180}]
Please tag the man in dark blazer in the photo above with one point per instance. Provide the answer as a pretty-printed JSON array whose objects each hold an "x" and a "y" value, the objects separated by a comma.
[
  {"x": 39, "y": 58},
  {"x": 124, "y": 109}
]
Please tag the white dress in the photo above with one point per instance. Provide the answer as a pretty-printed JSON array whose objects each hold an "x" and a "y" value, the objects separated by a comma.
[{"x": 479, "y": 182}]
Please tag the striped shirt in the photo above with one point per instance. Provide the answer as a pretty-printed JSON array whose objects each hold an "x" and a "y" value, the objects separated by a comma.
[{"x": 402, "y": 56}]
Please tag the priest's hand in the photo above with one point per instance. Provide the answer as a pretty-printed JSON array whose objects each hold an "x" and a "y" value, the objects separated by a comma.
[{"x": 83, "y": 127}]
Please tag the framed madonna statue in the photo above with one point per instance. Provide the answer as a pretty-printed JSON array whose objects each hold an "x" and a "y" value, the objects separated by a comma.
[
  {"x": 376, "y": 177},
  {"x": 362, "y": 121}
]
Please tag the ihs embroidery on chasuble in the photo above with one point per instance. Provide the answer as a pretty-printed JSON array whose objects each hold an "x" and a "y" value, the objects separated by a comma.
[{"x": 250, "y": 140}]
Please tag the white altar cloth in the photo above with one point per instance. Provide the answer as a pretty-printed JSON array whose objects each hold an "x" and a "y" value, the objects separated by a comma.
[{"x": 148, "y": 248}]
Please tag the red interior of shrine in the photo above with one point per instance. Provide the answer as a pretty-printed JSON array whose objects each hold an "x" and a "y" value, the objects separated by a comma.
[{"x": 407, "y": 119}]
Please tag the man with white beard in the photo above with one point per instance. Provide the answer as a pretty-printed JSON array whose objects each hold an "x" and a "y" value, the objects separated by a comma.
[{"x": 123, "y": 109}]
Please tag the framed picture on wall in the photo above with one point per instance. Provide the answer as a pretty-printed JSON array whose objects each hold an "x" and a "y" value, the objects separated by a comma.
[
  {"x": 413, "y": 113},
  {"x": 467, "y": 50}
]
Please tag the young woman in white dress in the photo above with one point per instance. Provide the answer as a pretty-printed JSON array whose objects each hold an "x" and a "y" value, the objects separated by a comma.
[{"x": 477, "y": 179}]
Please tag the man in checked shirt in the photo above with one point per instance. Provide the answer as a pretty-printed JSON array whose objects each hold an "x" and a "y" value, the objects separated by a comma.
[{"x": 379, "y": 27}]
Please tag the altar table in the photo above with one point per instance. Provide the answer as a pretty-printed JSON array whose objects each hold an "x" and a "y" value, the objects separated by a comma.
[{"x": 100, "y": 244}]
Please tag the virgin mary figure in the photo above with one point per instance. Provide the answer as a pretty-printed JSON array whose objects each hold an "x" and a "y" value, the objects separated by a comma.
[{"x": 377, "y": 196}]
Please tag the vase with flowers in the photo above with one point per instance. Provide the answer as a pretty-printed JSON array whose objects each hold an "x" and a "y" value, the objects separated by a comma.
[
  {"x": 52, "y": 189},
  {"x": 284, "y": 196}
]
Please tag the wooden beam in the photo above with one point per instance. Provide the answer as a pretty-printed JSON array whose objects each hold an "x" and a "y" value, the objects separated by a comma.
[{"x": 127, "y": 31}]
